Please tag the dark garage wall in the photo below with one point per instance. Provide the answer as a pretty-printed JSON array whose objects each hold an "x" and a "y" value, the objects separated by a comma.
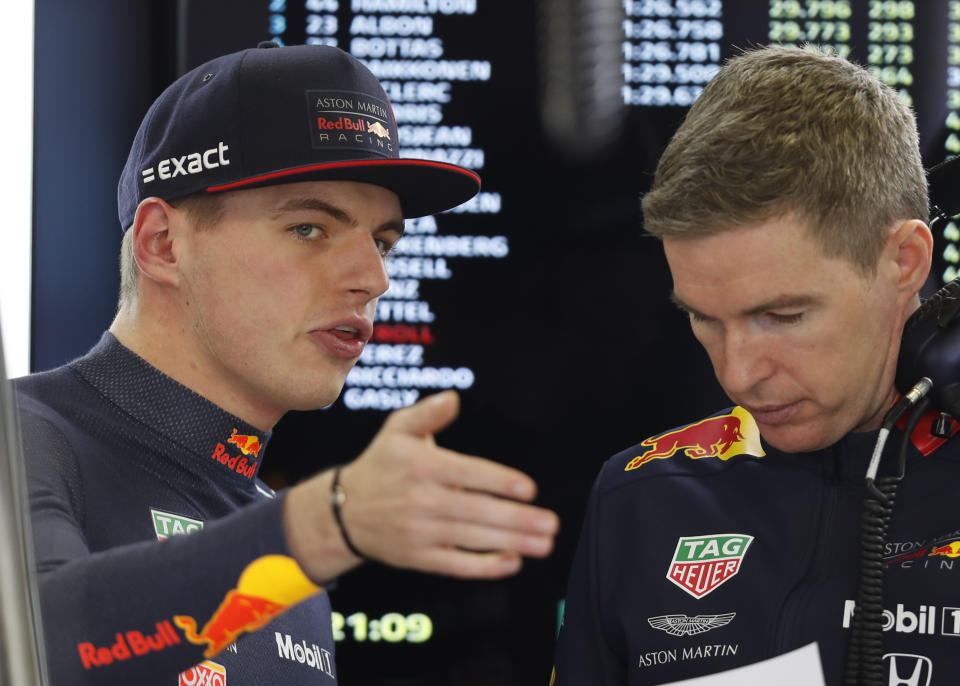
[{"x": 98, "y": 65}]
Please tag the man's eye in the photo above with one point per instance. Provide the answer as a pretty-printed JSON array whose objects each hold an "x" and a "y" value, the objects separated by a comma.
[
  {"x": 792, "y": 318},
  {"x": 384, "y": 246},
  {"x": 697, "y": 317},
  {"x": 305, "y": 231}
]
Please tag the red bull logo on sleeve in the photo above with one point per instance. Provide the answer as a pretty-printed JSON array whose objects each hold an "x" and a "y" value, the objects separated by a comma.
[
  {"x": 267, "y": 587},
  {"x": 128, "y": 644},
  {"x": 701, "y": 563},
  {"x": 206, "y": 673},
  {"x": 951, "y": 549},
  {"x": 723, "y": 437},
  {"x": 249, "y": 445}
]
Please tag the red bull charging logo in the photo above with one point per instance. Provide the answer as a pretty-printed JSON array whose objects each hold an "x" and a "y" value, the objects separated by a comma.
[
  {"x": 724, "y": 436},
  {"x": 249, "y": 445},
  {"x": 951, "y": 549},
  {"x": 267, "y": 587},
  {"x": 378, "y": 129}
]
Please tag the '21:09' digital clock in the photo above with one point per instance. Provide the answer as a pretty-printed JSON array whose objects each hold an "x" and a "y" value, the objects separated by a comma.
[{"x": 392, "y": 627}]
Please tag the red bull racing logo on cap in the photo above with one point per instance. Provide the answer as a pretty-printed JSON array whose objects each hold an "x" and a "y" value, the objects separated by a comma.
[
  {"x": 267, "y": 587},
  {"x": 352, "y": 121},
  {"x": 724, "y": 436},
  {"x": 701, "y": 563}
]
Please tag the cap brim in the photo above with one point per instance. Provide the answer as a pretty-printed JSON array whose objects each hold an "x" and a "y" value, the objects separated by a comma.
[{"x": 423, "y": 186}]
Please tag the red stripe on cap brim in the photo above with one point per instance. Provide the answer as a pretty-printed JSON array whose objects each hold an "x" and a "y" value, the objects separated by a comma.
[{"x": 342, "y": 165}]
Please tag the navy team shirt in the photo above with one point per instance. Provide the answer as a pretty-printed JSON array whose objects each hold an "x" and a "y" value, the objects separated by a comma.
[
  {"x": 161, "y": 556},
  {"x": 705, "y": 548}
]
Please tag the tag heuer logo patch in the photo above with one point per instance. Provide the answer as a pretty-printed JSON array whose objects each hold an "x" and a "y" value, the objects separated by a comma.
[
  {"x": 701, "y": 563},
  {"x": 685, "y": 625},
  {"x": 167, "y": 524}
]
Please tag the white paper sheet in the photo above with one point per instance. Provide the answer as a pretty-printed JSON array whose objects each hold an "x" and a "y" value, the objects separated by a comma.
[{"x": 800, "y": 667}]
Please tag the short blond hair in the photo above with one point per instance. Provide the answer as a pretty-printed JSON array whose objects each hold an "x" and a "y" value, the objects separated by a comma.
[{"x": 792, "y": 131}]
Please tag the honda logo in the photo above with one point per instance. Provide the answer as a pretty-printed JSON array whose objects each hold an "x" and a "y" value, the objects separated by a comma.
[{"x": 908, "y": 670}]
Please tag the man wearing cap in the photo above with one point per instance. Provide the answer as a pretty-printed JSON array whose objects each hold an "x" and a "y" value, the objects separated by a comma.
[{"x": 260, "y": 198}]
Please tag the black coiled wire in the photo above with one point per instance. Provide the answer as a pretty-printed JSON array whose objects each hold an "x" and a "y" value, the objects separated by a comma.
[
  {"x": 865, "y": 653},
  {"x": 865, "y": 650}
]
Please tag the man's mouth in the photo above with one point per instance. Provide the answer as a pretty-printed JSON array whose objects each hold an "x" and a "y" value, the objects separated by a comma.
[
  {"x": 355, "y": 328},
  {"x": 345, "y": 340},
  {"x": 346, "y": 333},
  {"x": 773, "y": 415}
]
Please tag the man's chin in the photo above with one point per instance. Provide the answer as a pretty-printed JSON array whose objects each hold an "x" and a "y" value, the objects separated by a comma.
[
  {"x": 795, "y": 439},
  {"x": 316, "y": 399}
]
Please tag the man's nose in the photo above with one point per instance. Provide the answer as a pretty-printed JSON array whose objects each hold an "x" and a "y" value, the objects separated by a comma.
[
  {"x": 364, "y": 268},
  {"x": 744, "y": 361}
]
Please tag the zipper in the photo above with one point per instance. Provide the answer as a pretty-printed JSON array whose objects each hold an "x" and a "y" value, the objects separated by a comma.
[{"x": 824, "y": 540}]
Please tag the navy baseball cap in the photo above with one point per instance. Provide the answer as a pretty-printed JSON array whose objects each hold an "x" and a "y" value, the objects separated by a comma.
[{"x": 272, "y": 115}]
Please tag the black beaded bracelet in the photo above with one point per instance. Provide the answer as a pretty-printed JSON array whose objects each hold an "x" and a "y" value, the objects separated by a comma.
[{"x": 337, "y": 498}]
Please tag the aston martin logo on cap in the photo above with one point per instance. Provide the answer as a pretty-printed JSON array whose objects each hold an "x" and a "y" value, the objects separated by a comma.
[{"x": 349, "y": 120}]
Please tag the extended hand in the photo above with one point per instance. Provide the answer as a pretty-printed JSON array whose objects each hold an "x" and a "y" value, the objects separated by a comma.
[{"x": 410, "y": 503}]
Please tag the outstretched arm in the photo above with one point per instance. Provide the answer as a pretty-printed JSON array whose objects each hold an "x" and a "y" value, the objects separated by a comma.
[{"x": 410, "y": 503}]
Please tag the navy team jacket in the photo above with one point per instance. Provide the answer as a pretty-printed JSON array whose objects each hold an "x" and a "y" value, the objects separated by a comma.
[
  {"x": 705, "y": 549},
  {"x": 121, "y": 461}
]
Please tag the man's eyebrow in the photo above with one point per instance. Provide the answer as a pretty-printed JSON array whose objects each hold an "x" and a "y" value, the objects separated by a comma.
[
  {"x": 676, "y": 300},
  {"x": 313, "y": 204},
  {"x": 780, "y": 302},
  {"x": 339, "y": 214},
  {"x": 392, "y": 225}
]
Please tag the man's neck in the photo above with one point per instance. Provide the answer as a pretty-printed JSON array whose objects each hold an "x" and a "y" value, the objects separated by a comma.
[{"x": 165, "y": 343}]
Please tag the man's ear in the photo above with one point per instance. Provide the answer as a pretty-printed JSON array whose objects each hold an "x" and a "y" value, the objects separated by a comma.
[
  {"x": 155, "y": 230},
  {"x": 910, "y": 248}
]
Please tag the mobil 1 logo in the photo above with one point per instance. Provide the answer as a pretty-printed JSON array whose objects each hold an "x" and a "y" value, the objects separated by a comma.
[{"x": 701, "y": 563}]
